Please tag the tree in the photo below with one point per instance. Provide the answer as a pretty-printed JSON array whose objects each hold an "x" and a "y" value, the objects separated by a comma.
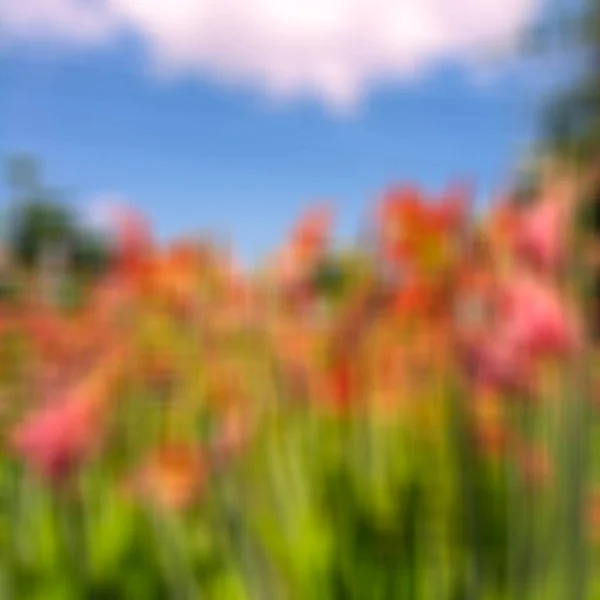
[
  {"x": 571, "y": 120},
  {"x": 38, "y": 227},
  {"x": 40, "y": 222}
]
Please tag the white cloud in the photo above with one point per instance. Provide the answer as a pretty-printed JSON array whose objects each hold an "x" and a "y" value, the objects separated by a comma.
[
  {"x": 330, "y": 49},
  {"x": 68, "y": 20}
]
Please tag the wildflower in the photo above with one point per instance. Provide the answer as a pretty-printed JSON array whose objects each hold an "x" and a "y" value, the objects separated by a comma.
[
  {"x": 402, "y": 223},
  {"x": 172, "y": 477},
  {"x": 530, "y": 322},
  {"x": 535, "y": 317},
  {"x": 415, "y": 298},
  {"x": 418, "y": 234},
  {"x": 540, "y": 237},
  {"x": 495, "y": 361},
  {"x": 490, "y": 428},
  {"x": 175, "y": 275},
  {"x": 59, "y": 435},
  {"x": 336, "y": 385},
  {"x": 53, "y": 440}
]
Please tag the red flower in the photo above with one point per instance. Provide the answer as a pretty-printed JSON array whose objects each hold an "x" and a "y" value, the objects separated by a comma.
[
  {"x": 418, "y": 233},
  {"x": 337, "y": 385},
  {"x": 402, "y": 220},
  {"x": 415, "y": 298}
]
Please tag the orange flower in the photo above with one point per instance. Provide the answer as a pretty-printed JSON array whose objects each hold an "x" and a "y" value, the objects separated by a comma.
[
  {"x": 401, "y": 220},
  {"x": 491, "y": 432},
  {"x": 172, "y": 477},
  {"x": 415, "y": 298}
]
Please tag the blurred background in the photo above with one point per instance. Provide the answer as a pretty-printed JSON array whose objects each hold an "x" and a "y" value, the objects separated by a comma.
[
  {"x": 299, "y": 299},
  {"x": 235, "y": 112}
]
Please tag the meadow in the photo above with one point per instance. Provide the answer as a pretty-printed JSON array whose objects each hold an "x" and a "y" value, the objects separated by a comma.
[{"x": 414, "y": 416}]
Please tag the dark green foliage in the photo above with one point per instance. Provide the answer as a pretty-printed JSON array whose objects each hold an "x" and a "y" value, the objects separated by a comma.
[
  {"x": 330, "y": 279},
  {"x": 571, "y": 121},
  {"x": 91, "y": 254},
  {"x": 37, "y": 227},
  {"x": 40, "y": 222}
]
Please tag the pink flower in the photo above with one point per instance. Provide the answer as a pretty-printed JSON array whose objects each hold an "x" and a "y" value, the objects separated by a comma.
[
  {"x": 54, "y": 438},
  {"x": 540, "y": 236},
  {"x": 496, "y": 362},
  {"x": 58, "y": 436},
  {"x": 535, "y": 318},
  {"x": 531, "y": 322}
]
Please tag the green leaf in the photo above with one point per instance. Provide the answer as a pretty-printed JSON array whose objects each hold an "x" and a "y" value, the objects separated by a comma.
[{"x": 110, "y": 533}]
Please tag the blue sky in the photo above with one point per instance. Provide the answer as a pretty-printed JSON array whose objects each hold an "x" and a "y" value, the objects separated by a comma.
[{"x": 197, "y": 154}]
